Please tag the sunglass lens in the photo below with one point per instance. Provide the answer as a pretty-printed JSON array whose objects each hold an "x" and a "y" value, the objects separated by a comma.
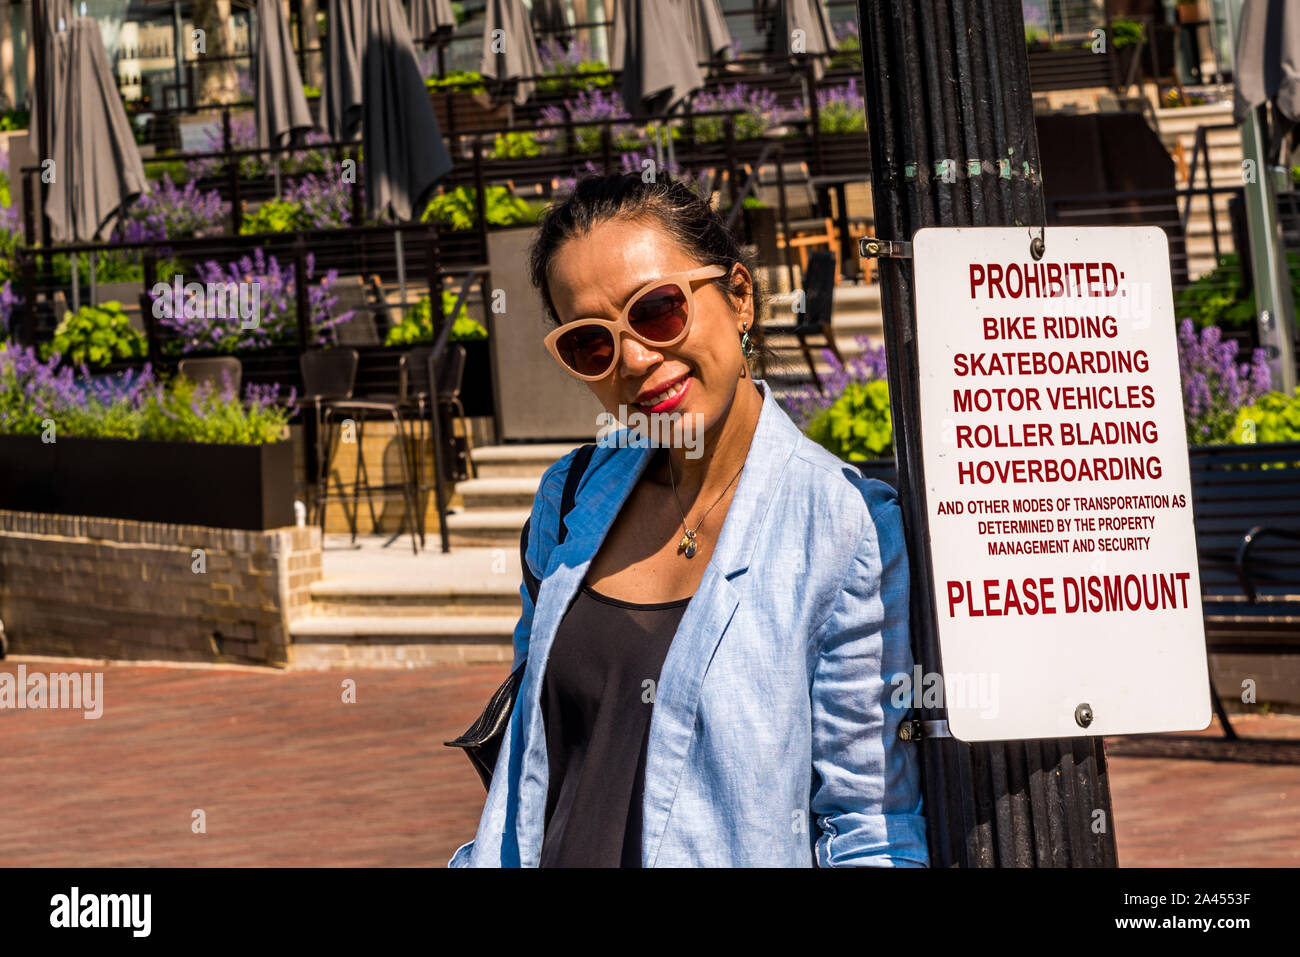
[
  {"x": 587, "y": 350},
  {"x": 660, "y": 314}
]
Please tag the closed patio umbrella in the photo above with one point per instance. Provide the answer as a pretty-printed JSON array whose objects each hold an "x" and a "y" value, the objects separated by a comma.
[
  {"x": 708, "y": 29},
  {"x": 278, "y": 100},
  {"x": 431, "y": 16},
  {"x": 1267, "y": 71},
  {"x": 550, "y": 22},
  {"x": 405, "y": 155},
  {"x": 656, "y": 55},
  {"x": 509, "y": 49},
  {"x": 98, "y": 171},
  {"x": 814, "y": 39},
  {"x": 1268, "y": 67},
  {"x": 54, "y": 41},
  {"x": 341, "y": 109}
]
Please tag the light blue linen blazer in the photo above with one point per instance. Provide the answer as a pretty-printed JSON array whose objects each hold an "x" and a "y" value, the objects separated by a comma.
[{"x": 773, "y": 741}]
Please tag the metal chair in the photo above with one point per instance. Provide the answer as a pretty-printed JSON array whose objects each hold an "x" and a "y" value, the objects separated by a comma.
[
  {"x": 819, "y": 298},
  {"x": 332, "y": 376},
  {"x": 213, "y": 371},
  {"x": 327, "y": 375}
]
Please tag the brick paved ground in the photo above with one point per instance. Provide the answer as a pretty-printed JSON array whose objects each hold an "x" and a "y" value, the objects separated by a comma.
[{"x": 288, "y": 775}]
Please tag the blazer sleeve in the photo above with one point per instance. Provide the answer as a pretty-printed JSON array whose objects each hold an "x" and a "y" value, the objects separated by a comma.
[
  {"x": 543, "y": 532},
  {"x": 866, "y": 795}
]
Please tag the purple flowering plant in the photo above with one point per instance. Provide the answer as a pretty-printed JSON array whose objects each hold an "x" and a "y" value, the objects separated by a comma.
[
  {"x": 132, "y": 404},
  {"x": 806, "y": 403},
  {"x": 324, "y": 202},
  {"x": 586, "y": 107},
  {"x": 243, "y": 136},
  {"x": 840, "y": 109},
  {"x": 10, "y": 303},
  {"x": 759, "y": 111},
  {"x": 1215, "y": 385},
  {"x": 276, "y": 298},
  {"x": 174, "y": 212}
]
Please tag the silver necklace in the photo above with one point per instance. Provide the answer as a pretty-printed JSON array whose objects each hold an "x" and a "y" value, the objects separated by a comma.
[{"x": 690, "y": 538}]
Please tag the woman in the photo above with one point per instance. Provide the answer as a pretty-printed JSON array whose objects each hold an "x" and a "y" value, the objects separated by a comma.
[{"x": 710, "y": 654}]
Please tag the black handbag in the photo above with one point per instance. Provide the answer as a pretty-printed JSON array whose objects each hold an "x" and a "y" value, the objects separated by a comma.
[{"x": 482, "y": 742}]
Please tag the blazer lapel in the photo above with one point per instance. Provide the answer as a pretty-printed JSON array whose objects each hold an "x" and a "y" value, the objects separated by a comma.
[{"x": 677, "y": 695}]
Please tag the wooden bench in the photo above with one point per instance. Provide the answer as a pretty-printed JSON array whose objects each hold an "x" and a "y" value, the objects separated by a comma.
[{"x": 1246, "y": 503}]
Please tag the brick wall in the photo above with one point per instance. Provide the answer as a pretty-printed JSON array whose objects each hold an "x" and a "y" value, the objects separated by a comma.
[
  {"x": 1276, "y": 677},
  {"x": 108, "y": 588}
]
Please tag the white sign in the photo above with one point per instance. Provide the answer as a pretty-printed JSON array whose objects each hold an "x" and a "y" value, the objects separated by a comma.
[{"x": 1058, "y": 489}]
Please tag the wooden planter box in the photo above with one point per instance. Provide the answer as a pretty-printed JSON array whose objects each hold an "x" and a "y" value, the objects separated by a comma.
[
  {"x": 462, "y": 113},
  {"x": 181, "y": 483}
]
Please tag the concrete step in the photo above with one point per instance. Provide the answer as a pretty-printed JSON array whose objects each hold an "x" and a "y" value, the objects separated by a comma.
[
  {"x": 339, "y": 643},
  {"x": 493, "y": 527},
  {"x": 515, "y": 491},
  {"x": 517, "y": 461},
  {"x": 440, "y": 628},
  {"x": 494, "y": 595}
]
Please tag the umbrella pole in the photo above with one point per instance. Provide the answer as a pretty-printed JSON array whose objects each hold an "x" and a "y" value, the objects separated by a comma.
[
  {"x": 76, "y": 284},
  {"x": 401, "y": 270},
  {"x": 276, "y": 165},
  {"x": 93, "y": 300}
]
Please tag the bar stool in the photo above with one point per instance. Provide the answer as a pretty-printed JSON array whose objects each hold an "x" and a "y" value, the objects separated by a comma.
[{"x": 341, "y": 377}]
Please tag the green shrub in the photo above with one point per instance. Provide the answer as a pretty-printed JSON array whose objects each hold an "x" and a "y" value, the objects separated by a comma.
[
  {"x": 515, "y": 145},
  {"x": 273, "y": 216},
  {"x": 599, "y": 78},
  {"x": 857, "y": 426},
  {"x": 416, "y": 328},
  {"x": 1275, "y": 417},
  {"x": 458, "y": 81},
  {"x": 1125, "y": 33},
  {"x": 1219, "y": 299},
  {"x": 96, "y": 336},
  {"x": 455, "y": 209}
]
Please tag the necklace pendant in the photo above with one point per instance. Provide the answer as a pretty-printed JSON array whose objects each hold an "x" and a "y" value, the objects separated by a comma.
[{"x": 687, "y": 544}]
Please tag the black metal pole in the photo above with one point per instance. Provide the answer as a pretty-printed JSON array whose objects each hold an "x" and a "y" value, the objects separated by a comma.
[
  {"x": 948, "y": 80},
  {"x": 44, "y": 99}
]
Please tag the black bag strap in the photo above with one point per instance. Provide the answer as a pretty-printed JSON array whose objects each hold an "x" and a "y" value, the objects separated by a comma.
[{"x": 576, "y": 470}]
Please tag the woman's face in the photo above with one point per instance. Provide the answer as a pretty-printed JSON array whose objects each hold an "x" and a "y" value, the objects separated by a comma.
[{"x": 594, "y": 275}]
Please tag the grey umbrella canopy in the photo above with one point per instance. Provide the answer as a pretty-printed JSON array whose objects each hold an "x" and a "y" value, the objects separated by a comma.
[
  {"x": 708, "y": 29},
  {"x": 431, "y": 16},
  {"x": 509, "y": 48},
  {"x": 814, "y": 37},
  {"x": 341, "y": 106},
  {"x": 55, "y": 43},
  {"x": 1268, "y": 66},
  {"x": 550, "y": 21},
  {"x": 404, "y": 153},
  {"x": 656, "y": 55},
  {"x": 279, "y": 102},
  {"x": 97, "y": 163}
]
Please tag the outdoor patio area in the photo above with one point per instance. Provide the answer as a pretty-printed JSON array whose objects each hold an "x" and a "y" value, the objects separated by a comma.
[{"x": 289, "y": 776}]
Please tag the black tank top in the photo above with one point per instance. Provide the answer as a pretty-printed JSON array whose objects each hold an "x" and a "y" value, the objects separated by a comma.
[{"x": 597, "y": 697}]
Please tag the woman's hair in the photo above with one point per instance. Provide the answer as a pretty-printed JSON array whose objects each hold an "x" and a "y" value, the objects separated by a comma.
[{"x": 689, "y": 219}]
